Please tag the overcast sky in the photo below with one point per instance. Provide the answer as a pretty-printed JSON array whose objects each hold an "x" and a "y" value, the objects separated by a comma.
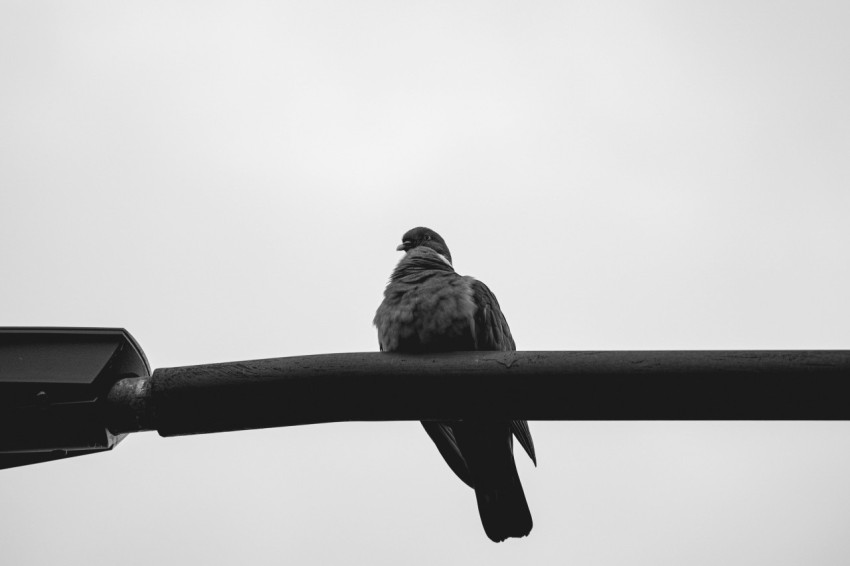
[{"x": 229, "y": 181}]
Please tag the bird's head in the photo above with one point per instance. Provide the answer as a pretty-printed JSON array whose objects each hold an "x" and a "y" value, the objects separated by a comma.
[{"x": 426, "y": 238}]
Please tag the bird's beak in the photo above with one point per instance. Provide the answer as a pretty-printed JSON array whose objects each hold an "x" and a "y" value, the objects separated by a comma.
[{"x": 405, "y": 245}]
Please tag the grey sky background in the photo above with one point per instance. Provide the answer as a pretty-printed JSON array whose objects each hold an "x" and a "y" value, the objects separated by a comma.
[{"x": 229, "y": 181}]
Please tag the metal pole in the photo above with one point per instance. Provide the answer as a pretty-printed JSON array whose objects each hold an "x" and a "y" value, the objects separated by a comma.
[{"x": 612, "y": 385}]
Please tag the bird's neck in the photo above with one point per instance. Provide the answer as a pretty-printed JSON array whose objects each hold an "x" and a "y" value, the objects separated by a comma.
[{"x": 418, "y": 264}]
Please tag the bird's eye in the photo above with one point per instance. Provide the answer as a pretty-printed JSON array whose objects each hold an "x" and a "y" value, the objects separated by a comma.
[{"x": 428, "y": 236}]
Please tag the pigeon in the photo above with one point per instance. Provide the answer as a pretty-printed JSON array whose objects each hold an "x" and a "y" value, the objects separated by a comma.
[{"x": 429, "y": 308}]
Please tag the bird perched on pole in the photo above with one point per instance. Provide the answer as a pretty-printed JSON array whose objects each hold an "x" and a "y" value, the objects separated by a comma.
[{"x": 429, "y": 308}]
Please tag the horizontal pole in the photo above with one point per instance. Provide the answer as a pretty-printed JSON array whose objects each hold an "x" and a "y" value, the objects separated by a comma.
[{"x": 602, "y": 385}]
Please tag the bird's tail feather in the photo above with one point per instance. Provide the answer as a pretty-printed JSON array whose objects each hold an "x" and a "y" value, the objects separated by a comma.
[
  {"x": 504, "y": 511},
  {"x": 488, "y": 448}
]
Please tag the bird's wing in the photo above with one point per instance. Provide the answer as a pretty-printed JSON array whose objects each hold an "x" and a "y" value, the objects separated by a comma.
[
  {"x": 443, "y": 436},
  {"x": 523, "y": 434},
  {"x": 493, "y": 333},
  {"x": 491, "y": 328}
]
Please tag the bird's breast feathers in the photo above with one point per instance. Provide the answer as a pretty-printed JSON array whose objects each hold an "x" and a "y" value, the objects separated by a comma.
[{"x": 427, "y": 311}]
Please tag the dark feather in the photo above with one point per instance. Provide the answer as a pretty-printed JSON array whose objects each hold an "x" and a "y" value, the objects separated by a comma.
[
  {"x": 502, "y": 506},
  {"x": 523, "y": 434},
  {"x": 444, "y": 437},
  {"x": 491, "y": 328}
]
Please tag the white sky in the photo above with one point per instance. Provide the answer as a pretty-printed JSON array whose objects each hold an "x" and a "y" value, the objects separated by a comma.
[{"x": 229, "y": 181}]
